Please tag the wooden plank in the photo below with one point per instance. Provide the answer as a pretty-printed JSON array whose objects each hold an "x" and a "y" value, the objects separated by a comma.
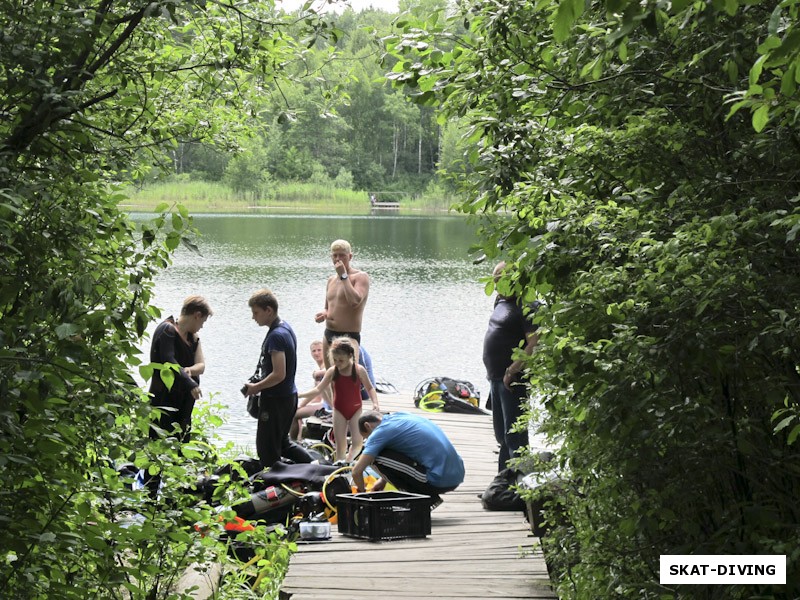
[
  {"x": 347, "y": 594},
  {"x": 432, "y": 569},
  {"x": 403, "y": 595},
  {"x": 202, "y": 579},
  {"x": 390, "y": 587},
  {"x": 471, "y": 552}
]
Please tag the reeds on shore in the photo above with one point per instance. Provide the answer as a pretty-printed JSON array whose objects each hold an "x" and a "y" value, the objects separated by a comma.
[{"x": 217, "y": 197}]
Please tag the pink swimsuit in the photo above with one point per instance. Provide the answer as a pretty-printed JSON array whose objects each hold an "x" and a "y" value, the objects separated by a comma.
[{"x": 347, "y": 396}]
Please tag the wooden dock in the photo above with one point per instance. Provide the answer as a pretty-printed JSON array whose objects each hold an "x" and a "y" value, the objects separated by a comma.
[{"x": 471, "y": 553}]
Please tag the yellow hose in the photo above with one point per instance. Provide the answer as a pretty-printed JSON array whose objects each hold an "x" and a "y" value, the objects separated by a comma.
[
  {"x": 258, "y": 580},
  {"x": 434, "y": 404},
  {"x": 292, "y": 491},
  {"x": 330, "y": 478},
  {"x": 251, "y": 562},
  {"x": 322, "y": 445}
]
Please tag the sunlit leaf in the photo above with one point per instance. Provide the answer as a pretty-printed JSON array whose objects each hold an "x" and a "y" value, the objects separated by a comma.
[{"x": 760, "y": 117}]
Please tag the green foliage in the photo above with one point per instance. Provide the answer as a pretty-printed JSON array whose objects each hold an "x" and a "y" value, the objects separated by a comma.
[
  {"x": 197, "y": 196},
  {"x": 343, "y": 180},
  {"x": 771, "y": 93},
  {"x": 92, "y": 94},
  {"x": 659, "y": 222},
  {"x": 247, "y": 173},
  {"x": 452, "y": 164},
  {"x": 262, "y": 576},
  {"x": 329, "y": 195},
  {"x": 202, "y": 162},
  {"x": 331, "y": 113}
]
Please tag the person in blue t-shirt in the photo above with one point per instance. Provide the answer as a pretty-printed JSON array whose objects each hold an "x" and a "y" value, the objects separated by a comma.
[
  {"x": 409, "y": 451},
  {"x": 275, "y": 387}
]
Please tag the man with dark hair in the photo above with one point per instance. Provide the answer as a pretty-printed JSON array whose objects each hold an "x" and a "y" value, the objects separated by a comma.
[
  {"x": 275, "y": 384},
  {"x": 509, "y": 329},
  {"x": 411, "y": 452}
]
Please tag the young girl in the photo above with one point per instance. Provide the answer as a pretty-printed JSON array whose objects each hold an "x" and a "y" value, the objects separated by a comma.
[
  {"x": 309, "y": 406},
  {"x": 346, "y": 378}
]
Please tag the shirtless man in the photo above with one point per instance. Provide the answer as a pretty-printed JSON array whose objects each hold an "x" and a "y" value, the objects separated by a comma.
[{"x": 345, "y": 299}]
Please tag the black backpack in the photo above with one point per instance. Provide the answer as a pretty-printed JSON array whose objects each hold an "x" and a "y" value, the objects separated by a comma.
[{"x": 500, "y": 495}]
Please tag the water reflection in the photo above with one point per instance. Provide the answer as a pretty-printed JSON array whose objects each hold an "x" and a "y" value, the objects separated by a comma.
[{"x": 426, "y": 313}]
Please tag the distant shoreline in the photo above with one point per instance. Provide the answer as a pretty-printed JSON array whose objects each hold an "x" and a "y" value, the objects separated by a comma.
[
  {"x": 150, "y": 208},
  {"x": 215, "y": 197}
]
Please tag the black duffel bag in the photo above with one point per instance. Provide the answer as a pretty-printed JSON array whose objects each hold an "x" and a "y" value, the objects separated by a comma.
[{"x": 500, "y": 494}]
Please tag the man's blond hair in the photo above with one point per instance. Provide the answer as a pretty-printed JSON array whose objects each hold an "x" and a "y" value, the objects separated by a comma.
[
  {"x": 497, "y": 272},
  {"x": 341, "y": 245}
]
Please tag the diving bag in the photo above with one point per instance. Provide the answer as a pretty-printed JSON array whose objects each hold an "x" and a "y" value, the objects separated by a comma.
[{"x": 444, "y": 394}]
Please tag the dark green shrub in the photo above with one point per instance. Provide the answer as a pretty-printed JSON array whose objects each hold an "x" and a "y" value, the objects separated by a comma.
[{"x": 660, "y": 227}]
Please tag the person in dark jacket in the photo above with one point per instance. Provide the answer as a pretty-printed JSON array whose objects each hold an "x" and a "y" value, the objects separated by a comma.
[
  {"x": 177, "y": 342},
  {"x": 509, "y": 329}
]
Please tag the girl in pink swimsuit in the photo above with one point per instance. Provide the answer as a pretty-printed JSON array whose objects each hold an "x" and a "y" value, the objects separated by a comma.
[{"x": 346, "y": 377}]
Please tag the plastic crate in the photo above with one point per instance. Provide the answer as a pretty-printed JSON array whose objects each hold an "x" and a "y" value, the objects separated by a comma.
[{"x": 384, "y": 515}]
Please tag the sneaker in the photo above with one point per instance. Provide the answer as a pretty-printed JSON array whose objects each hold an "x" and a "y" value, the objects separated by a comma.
[{"x": 436, "y": 501}]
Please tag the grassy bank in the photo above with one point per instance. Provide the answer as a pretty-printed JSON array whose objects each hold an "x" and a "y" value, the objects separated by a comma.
[{"x": 212, "y": 197}]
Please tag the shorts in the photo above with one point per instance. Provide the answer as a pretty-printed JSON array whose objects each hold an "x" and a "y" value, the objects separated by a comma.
[{"x": 332, "y": 335}]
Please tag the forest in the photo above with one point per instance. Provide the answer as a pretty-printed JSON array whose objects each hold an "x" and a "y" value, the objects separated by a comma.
[
  {"x": 333, "y": 121},
  {"x": 634, "y": 163}
]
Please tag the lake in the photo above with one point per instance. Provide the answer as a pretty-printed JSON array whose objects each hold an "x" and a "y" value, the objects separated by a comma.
[{"x": 426, "y": 313}]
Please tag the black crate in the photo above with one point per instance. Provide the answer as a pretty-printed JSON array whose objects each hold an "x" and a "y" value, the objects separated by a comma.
[{"x": 384, "y": 515}]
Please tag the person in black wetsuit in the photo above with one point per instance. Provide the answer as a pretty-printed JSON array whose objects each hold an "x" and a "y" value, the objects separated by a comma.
[
  {"x": 177, "y": 342},
  {"x": 510, "y": 328}
]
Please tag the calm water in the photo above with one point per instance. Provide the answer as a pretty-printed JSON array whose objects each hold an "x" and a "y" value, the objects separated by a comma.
[{"x": 426, "y": 313}]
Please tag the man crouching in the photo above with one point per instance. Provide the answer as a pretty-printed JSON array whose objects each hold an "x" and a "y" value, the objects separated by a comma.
[{"x": 409, "y": 451}]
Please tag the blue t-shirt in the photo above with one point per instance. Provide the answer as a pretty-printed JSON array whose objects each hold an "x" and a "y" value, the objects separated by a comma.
[
  {"x": 365, "y": 360},
  {"x": 280, "y": 338},
  {"x": 421, "y": 440}
]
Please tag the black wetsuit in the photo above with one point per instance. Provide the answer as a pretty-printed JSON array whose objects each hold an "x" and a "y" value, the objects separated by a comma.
[{"x": 168, "y": 346}]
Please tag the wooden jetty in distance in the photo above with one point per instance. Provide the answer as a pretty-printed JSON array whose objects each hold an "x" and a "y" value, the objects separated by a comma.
[
  {"x": 471, "y": 552},
  {"x": 385, "y": 200}
]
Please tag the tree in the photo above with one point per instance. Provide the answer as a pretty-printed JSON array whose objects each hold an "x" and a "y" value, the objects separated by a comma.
[
  {"x": 452, "y": 150},
  {"x": 93, "y": 93},
  {"x": 201, "y": 161},
  {"x": 332, "y": 109},
  {"x": 404, "y": 120},
  {"x": 658, "y": 219},
  {"x": 247, "y": 173}
]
